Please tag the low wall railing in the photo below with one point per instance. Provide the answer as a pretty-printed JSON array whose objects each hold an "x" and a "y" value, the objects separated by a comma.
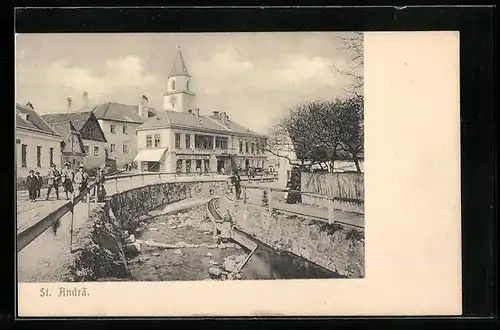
[
  {"x": 269, "y": 199},
  {"x": 25, "y": 237}
]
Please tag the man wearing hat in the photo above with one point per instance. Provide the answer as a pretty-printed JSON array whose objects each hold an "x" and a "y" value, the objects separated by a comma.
[
  {"x": 39, "y": 184},
  {"x": 67, "y": 179},
  {"x": 54, "y": 178},
  {"x": 99, "y": 181},
  {"x": 31, "y": 182},
  {"x": 81, "y": 179}
]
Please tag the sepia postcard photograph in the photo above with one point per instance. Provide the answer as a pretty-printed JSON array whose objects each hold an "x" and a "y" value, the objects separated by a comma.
[{"x": 210, "y": 163}]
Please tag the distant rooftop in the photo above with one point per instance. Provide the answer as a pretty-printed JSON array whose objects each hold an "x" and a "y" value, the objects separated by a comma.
[
  {"x": 28, "y": 118},
  {"x": 190, "y": 120}
]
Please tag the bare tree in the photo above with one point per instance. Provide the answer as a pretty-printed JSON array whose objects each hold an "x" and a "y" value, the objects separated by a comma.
[
  {"x": 320, "y": 131},
  {"x": 353, "y": 48}
]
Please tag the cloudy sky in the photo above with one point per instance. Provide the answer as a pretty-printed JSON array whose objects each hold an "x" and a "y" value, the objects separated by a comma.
[{"x": 254, "y": 77}]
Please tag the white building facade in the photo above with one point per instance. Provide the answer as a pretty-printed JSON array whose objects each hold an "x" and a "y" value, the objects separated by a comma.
[
  {"x": 37, "y": 144},
  {"x": 182, "y": 140}
]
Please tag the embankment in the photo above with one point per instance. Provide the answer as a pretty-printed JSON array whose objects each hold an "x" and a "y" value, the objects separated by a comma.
[
  {"x": 338, "y": 248},
  {"x": 99, "y": 252}
]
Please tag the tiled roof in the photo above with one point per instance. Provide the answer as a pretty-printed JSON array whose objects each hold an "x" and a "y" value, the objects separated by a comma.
[
  {"x": 188, "y": 120},
  {"x": 118, "y": 112},
  {"x": 34, "y": 122},
  {"x": 78, "y": 119},
  {"x": 64, "y": 123},
  {"x": 179, "y": 67}
]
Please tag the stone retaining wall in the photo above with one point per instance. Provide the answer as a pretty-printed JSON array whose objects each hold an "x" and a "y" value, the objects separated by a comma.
[
  {"x": 128, "y": 206},
  {"x": 335, "y": 247},
  {"x": 101, "y": 254}
]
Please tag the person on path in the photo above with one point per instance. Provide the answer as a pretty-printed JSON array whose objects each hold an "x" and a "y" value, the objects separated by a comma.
[
  {"x": 81, "y": 179},
  {"x": 53, "y": 181},
  {"x": 99, "y": 181},
  {"x": 39, "y": 184},
  {"x": 67, "y": 179},
  {"x": 236, "y": 181},
  {"x": 32, "y": 184}
]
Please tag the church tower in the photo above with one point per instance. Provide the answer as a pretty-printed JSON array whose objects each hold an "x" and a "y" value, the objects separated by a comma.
[{"x": 178, "y": 96}]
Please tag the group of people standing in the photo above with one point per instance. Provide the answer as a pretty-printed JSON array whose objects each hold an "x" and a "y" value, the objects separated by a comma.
[{"x": 67, "y": 177}]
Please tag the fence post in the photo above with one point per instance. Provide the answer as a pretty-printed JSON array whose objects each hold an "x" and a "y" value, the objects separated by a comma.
[
  {"x": 95, "y": 192},
  {"x": 269, "y": 199},
  {"x": 331, "y": 212},
  {"x": 116, "y": 183},
  {"x": 88, "y": 202},
  {"x": 71, "y": 227}
]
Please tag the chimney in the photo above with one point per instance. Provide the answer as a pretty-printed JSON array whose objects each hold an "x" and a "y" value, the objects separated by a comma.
[
  {"x": 29, "y": 105},
  {"x": 197, "y": 112},
  {"x": 69, "y": 102},
  {"x": 85, "y": 99},
  {"x": 215, "y": 114},
  {"x": 224, "y": 118},
  {"x": 142, "y": 109},
  {"x": 190, "y": 111}
]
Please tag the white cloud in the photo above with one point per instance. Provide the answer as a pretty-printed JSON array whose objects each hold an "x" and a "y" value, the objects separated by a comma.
[
  {"x": 226, "y": 72},
  {"x": 116, "y": 74}
]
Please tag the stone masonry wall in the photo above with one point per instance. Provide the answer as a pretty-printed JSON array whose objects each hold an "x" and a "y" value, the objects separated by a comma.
[
  {"x": 335, "y": 247},
  {"x": 100, "y": 254},
  {"x": 129, "y": 205}
]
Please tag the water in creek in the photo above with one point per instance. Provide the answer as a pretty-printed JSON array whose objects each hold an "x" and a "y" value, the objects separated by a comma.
[{"x": 267, "y": 263}]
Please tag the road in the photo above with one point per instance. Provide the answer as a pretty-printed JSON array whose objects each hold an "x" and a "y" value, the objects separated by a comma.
[{"x": 43, "y": 260}]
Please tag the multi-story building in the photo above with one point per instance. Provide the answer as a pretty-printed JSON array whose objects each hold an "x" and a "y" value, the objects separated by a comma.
[
  {"x": 180, "y": 139},
  {"x": 119, "y": 123},
  {"x": 37, "y": 144},
  {"x": 80, "y": 128}
]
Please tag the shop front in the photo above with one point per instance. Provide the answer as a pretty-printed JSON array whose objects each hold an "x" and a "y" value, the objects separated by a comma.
[{"x": 151, "y": 160}]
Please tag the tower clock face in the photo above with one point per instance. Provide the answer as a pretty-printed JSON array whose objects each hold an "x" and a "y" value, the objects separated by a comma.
[{"x": 172, "y": 100}]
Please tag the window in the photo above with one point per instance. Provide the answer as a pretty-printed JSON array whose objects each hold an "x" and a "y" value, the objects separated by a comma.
[
  {"x": 173, "y": 85},
  {"x": 241, "y": 146},
  {"x": 177, "y": 140},
  {"x": 221, "y": 142},
  {"x": 113, "y": 147},
  {"x": 178, "y": 166},
  {"x": 203, "y": 142},
  {"x": 253, "y": 148},
  {"x": 188, "y": 141},
  {"x": 38, "y": 156},
  {"x": 157, "y": 141},
  {"x": 125, "y": 129},
  {"x": 112, "y": 129},
  {"x": 86, "y": 149},
  {"x": 246, "y": 147},
  {"x": 51, "y": 156},
  {"x": 188, "y": 165},
  {"x": 149, "y": 141},
  {"x": 187, "y": 85},
  {"x": 24, "y": 148},
  {"x": 125, "y": 149},
  {"x": 96, "y": 151}
]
